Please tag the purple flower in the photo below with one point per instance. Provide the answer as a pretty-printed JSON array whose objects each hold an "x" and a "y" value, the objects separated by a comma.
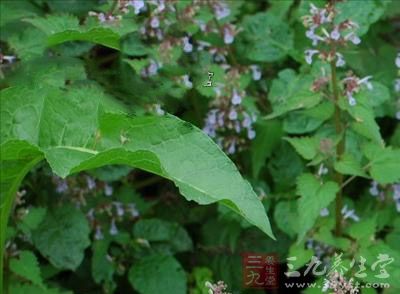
[
  {"x": 324, "y": 212},
  {"x": 108, "y": 189},
  {"x": 397, "y": 85},
  {"x": 397, "y": 61},
  {"x": 335, "y": 34},
  {"x": 98, "y": 235},
  {"x": 133, "y": 210},
  {"x": 340, "y": 60},
  {"x": 228, "y": 35},
  {"x": 187, "y": 47},
  {"x": 349, "y": 213},
  {"x": 309, "y": 54},
  {"x": 233, "y": 114},
  {"x": 232, "y": 147},
  {"x": 137, "y": 5},
  {"x": 155, "y": 22},
  {"x": 353, "y": 38},
  {"x": 251, "y": 134},
  {"x": 119, "y": 208},
  {"x": 256, "y": 72},
  {"x": 221, "y": 10},
  {"x": 351, "y": 99},
  {"x": 113, "y": 228},
  {"x": 314, "y": 37},
  {"x": 187, "y": 82},
  {"x": 365, "y": 81},
  {"x": 236, "y": 98},
  {"x": 374, "y": 189},
  {"x": 91, "y": 184}
]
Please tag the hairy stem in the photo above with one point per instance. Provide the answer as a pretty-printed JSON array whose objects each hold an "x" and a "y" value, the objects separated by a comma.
[{"x": 338, "y": 177}]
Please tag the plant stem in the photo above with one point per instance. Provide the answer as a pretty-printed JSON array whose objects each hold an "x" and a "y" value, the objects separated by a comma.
[{"x": 339, "y": 149}]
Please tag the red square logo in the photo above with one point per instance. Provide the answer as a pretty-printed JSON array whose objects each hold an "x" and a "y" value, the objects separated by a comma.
[{"x": 260, "y": 271}]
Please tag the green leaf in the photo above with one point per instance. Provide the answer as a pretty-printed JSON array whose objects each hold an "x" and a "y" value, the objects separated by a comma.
[
  {"x": 308, "y": 120},
  {"x": 27, "y": 267},
  {"x": 306, "y": 146},
  {"x": 53, "y": 24},
  {"x": 348, "y": 165},
  {"x": 284, "y": 175},
  {"x": 384, "y": 163},
  {"x": 364, "y": 123},
  {"x": 64, "y": 28},
  {"x": 34, "y": 217},
  {"x": 269, "y": 134},
  {"x": 70, "y": 142},
  {"x": 265, "y": 37},
  {"x": 102, "y": 267},
  {"x": 285, "y": 215},
  {"x": 62, "y": 237},
  {"x": 16, "y": 160},
  {"x": 29, "y": 44},
  {"x": 290, "y": 92},
  {"x": 158, "y": 274},
  {"x": 314, "y": 197},
  {"x": 32, "y": 289},
  {"x": 364, "y": 15},
  {"x": 364, "y": 230},
  {"x": 102, "y": 36},
  {"x": 301, "y": 254},
  {"x": 157, "y": 230},
  {"x": 16, "y": 10}
]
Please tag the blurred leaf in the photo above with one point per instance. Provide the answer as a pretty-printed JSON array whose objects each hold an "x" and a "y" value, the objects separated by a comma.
[
  {"x": 285, "y": 216},
  {"x": 265, "y": 38},
  {"x": 306, "y": 146},
  {"x": 27, "y": 266},
  {"x": 314, "y": 197},
  {"x": 364, "y": 15},
  {"x": 62, "y": 237},
  {"x": 385, "y": 163},
  {"x": 290, "y": 92},
  {"x": 302, "y": 256},
  {"x": 158, "y": 274},
  {"x": 348, "y": 165},
  {"x": 157, "y": 230},
  {"x": 269, "y": 134}
]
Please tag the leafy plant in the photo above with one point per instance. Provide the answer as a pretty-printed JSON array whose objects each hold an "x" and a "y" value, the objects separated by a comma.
[{"x": 286, "y": 108}]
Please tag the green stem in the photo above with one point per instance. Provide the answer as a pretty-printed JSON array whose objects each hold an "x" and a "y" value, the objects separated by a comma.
[{"x": 339, "y": 149}]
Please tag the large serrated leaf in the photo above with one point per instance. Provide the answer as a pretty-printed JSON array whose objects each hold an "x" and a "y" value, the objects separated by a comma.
[{"x": 74, "y": 133}]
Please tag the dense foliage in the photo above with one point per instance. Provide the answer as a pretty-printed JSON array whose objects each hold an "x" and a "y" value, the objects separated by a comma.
[{"x": 277, "y": 121}]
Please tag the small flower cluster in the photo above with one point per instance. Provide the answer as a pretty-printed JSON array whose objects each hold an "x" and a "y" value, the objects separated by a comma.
[
  {"x": 7, "y": 58},
  {"x": 346, "y": 212},
  {"x": 218, "y": 288},
  {"x": 76, "y": 188},
  {"x": 338, "y": 284},
  {"x": 397, "y": 85},
  {"x": 349, "y": 214},
  {"x": 374, "y": 191},
  {"x": 396, "y": 196},
  {"x": 352, "y": 85},
  {"x": 329, "y": 37},
  {"x": 322, "y": 29},
  {"x": 321, "y": 250},
  {"x": 227, "y": 120},
  {"x": 115, "y": 211},
  {"x": 122, "y": 7}
]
